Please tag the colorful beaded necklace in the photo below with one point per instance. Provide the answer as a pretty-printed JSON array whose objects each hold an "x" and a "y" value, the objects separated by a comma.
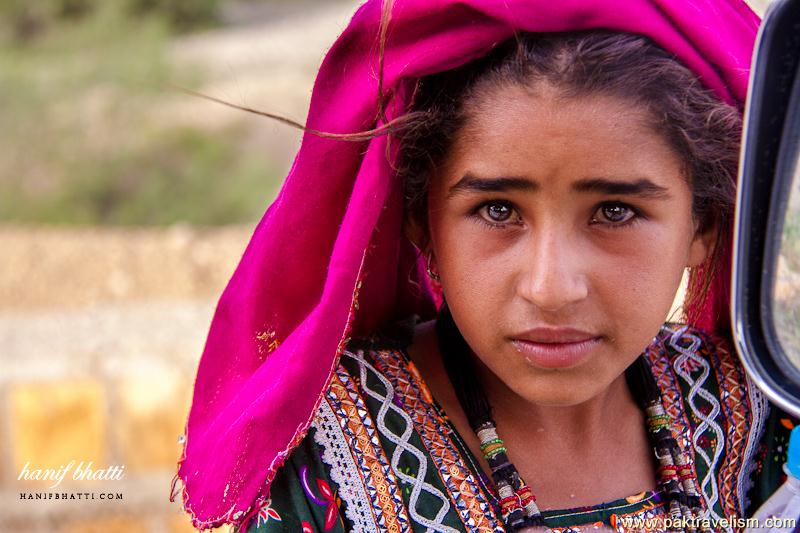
[{"x": 676, "y": 476}]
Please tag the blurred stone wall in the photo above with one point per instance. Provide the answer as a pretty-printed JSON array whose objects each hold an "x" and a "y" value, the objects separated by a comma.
[{"x": 101, "y": 331}]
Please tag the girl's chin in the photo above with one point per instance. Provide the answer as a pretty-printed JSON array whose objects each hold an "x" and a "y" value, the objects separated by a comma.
[
  {"x": 568, "y": 388},
  {"x": 561, "y": 395}
]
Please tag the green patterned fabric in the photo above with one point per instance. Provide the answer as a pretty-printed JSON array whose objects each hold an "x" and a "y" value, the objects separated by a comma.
[{"x": 381, "y": 454}]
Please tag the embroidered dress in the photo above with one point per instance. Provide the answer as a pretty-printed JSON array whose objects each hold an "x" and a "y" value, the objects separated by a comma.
[{"x": 381, "y": 454}]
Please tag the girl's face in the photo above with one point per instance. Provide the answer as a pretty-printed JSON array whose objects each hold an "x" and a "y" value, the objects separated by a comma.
[{"x": 560, "y": 228}]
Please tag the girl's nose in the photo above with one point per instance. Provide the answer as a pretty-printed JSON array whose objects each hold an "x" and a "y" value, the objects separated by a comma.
[{"x": 553, "y": 273}]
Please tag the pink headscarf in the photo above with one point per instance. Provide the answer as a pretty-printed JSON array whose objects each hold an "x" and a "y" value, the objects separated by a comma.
[{"x": 329, "y": 258}]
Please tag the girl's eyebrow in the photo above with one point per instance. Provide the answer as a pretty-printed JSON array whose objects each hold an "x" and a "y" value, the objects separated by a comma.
[
  {"x": 498, "y": 184},
  {"x": 642, "y": 187}
]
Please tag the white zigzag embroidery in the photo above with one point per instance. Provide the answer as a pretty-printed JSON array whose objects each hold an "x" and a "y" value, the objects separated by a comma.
[
  {"x": 402, "y": 444},
  {"x": 760, "y": 411},
  {"x": 344, "y": 472},
  {"x": 708, "y": 484}
]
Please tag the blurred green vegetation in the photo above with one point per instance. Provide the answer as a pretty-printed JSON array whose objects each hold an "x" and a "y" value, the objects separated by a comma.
[
  {"x": 790, "y": 243},
  {"x": 87, "y": 138},
  {"x": 25, "y": 19},
  {"x": 787, "y": 317},
  {"x": 787, "y": 309}
]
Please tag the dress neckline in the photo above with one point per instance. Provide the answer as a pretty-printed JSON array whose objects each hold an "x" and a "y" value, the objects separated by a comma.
[{"x": 600, "y": 512}]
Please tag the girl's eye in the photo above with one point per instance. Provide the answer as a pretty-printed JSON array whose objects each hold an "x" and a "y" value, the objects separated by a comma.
[
  {"x": 615, "y": 214},
  {"x": 497, "y": 212}
]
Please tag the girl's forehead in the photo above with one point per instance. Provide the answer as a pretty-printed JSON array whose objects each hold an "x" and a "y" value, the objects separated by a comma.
[
  {"x": 515, "y": 132},
  {"x": 518, "y": 109}
]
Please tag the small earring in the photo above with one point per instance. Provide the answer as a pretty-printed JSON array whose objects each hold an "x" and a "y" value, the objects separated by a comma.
[{"x": 433, "y": 275}]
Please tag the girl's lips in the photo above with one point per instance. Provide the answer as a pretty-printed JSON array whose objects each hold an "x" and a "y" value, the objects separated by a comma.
[{"x": 555, "y": 354}]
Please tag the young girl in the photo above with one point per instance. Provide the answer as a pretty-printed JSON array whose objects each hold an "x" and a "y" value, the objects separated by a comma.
[{"x": 549, "y": 172}]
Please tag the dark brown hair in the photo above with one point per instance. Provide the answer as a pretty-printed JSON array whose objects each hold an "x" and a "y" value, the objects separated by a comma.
[{"x": 703, "y": 130}]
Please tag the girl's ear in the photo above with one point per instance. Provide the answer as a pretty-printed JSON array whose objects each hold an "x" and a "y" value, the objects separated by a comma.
[{"x": 702, "y": 245}]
